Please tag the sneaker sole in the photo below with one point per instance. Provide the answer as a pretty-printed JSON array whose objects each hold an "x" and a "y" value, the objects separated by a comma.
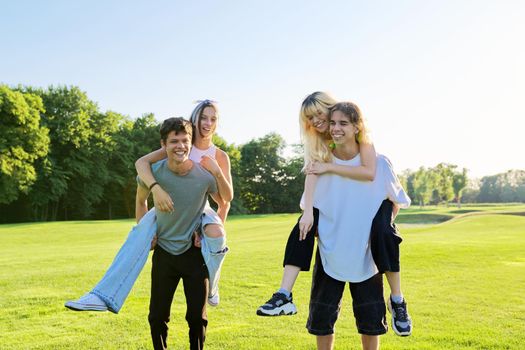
[
  {"x": 212, "y": 304},
  {"x": 84, "y": 307},
  {"x": 396, "y": 331},
  {"x": 285, "y": 310}
]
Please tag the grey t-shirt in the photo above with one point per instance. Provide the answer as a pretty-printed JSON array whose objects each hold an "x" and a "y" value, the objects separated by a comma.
[{"x": 189, "y": 194}]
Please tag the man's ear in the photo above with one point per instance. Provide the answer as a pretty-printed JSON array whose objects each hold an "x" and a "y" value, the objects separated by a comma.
[{"x": 162, "y": 143}]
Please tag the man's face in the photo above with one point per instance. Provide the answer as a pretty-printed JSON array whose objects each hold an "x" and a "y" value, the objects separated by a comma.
[
  {"x": 177, "y": 146},
  {"x": 341, "y": 129}
]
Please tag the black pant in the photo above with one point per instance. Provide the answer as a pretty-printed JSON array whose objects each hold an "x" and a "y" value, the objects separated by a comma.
[
  {"x": 299, "y": 253},
  {"x": 166, "y": 272},
  {"x": 385, "y": 239}
]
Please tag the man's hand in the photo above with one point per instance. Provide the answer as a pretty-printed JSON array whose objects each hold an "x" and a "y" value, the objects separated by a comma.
[
  {"x": 305, "y": 224},
  {"x": 162, "y": 199},
  {"x": 153, "y": 242}
]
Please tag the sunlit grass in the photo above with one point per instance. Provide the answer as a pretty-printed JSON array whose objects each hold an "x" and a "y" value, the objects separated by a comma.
[{"x": 463, "y": 279}]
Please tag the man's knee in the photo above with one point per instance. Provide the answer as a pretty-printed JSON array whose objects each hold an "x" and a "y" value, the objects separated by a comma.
[
  {"x": 196, "y": 320},
  {"x": 158, "y": 322},
  {"x": 214, "y": 231}
]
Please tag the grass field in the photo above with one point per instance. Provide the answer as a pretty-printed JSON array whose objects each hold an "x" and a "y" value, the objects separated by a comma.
[{"x": 463, "y": 276}]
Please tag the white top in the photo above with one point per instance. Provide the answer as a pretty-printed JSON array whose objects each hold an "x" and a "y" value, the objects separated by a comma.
[
  {"x": 346, "y": 210},
  {"x": 196, "y": 156},
  {"x": 196, "y": 153}
]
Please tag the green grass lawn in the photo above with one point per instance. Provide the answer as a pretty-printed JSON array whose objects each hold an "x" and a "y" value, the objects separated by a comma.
[{"x": 464, "y": 280}]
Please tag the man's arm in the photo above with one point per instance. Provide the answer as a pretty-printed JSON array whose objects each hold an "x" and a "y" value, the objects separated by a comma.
[{"x": 141, "y": 202}]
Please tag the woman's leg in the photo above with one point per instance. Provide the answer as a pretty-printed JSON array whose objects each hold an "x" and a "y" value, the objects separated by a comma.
[
  {"x": 118, "y": 280},
  {"x": 213, "y": 249},
  {"x": 297, "y": 258},
  {"x": 290, "y": 274}
]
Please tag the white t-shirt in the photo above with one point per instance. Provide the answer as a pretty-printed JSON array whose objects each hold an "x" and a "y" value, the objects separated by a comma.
[
  {"x": 196, "y": 155},
  {"x": 346, "y": 210}
]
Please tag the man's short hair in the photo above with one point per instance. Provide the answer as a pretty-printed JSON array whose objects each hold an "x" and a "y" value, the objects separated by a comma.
[{"x": 175, "y": 124}]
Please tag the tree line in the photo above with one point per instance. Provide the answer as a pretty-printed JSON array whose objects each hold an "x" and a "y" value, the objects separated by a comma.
[{"x": 61, "y": 158}]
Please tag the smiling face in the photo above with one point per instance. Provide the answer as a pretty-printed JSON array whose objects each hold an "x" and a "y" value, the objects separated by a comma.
[
  {"x": 342, "y": 130},
  {"x": 319, "y": 121},
  {"x": 207, "y": 122},
  {"x": 314, "y": 114},
  {"x": 178, "y": 146}
]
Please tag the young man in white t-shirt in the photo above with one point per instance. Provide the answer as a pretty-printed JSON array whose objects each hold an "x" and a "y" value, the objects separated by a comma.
[{"x": 346, "y": 211}]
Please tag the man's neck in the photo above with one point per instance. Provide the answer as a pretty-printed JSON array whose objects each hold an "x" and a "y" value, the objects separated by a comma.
[
  {"x": 180, "y": 168},
  {"x": 346, "y": 151}
]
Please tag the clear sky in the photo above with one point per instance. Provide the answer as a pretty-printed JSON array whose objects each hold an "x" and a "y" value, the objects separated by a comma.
[{"x": 436, "y": 80}]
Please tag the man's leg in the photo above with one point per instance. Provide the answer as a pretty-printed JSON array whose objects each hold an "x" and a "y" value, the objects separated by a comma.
[
  {"x": 370, "y": 342},
  {"x": 369, "y": 310},
  {"x": 325, "y": 302},
  {"x": 164, "y": 281},
  {"x": 325, "y": 342},
  {"x": 196, "y": 291}
]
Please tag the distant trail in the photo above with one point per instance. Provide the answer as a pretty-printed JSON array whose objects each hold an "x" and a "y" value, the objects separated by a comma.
[
  {"x": 481, "y": 213},
  {"x": 435, "y": 219}
]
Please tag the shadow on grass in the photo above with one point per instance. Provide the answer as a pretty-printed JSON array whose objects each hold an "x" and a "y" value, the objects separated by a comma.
[
  {"x": 464, "y": 211},
  {"x": 423, "y": 218}
]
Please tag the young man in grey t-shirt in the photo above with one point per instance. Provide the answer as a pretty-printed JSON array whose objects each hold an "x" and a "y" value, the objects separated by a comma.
[{"x": 175, "y": 256}]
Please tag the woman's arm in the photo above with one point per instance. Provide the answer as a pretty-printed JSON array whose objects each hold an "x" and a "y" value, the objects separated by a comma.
[
  {"x": 220, "y": 168},
  {"x": 307, "y": 219},
  {"x": 364, "y": 172},
  {"x": 162, "y": 199}
]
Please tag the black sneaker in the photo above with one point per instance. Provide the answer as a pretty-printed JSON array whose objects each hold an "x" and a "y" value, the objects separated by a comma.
[
  {"x": 401, "y": 321},
  {"x": 278, "y": 305}
]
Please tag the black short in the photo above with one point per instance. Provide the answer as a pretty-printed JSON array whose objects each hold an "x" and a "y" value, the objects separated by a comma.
[
  {"x": 385, "y": 239},
  {"x": 299, "y": 253},
  {"x": 325, "y": 303},
  {"x": 384, "y": 242}
]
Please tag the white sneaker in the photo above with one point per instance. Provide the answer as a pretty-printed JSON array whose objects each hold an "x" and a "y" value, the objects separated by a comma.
[
  {"x": 88, "y": 302},
  {"x": 214, "y": 300}
]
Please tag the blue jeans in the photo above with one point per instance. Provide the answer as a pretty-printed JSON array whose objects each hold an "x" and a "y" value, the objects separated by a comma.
[{"x": 118, "y": 280}]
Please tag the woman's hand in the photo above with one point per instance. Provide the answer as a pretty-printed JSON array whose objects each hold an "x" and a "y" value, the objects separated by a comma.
[
  {"x": 211, "y": 165},
  {"x": 305, "y": 224},
  {"x": 317, "y": 168},
  {"x": 162, "y": 199}
]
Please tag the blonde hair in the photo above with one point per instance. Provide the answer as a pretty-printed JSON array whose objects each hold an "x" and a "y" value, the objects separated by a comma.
[
  {"x": 352, "y": 111},
  {"x": 316, "y": 145}
]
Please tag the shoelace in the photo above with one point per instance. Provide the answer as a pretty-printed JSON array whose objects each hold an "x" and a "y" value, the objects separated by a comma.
[
  {"x": 401, "y": 312},
  {"x": 273, "y": 299}
]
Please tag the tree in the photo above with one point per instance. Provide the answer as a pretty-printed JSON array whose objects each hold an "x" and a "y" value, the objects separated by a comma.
[
  {"x": 237, "y": 206},
  {"x": 444, "y": 192},
  {"x": 423, "y": 183},
  {"x": 23, "y": 140},
  {"x": 73, "y": 172},
  {"x": 262, "y": 174},
  {"x": 459, "y": 182}
]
